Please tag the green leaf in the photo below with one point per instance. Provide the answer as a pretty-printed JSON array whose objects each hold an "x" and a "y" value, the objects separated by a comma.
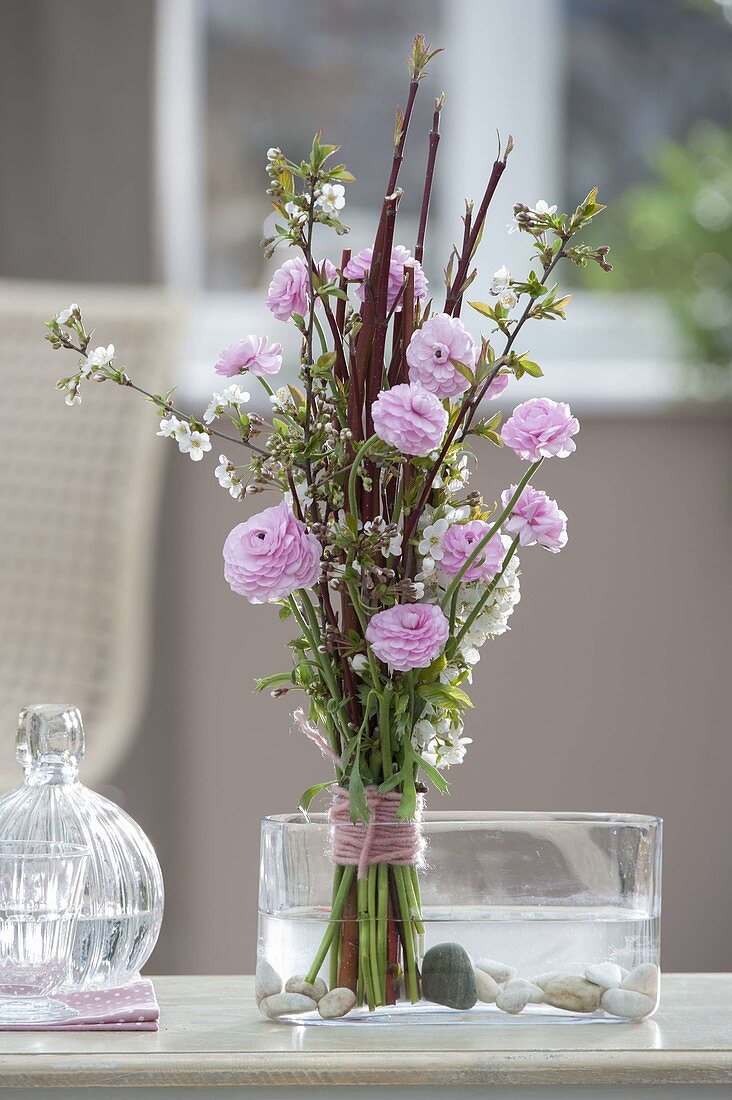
[
  {"x": 444, "y": 695},
  {"x": 529, "y": 367},
  {"x": 463, "y": 369},
  {"x": 433, "y": 775},
  {"x": 307, "y": 796},
  {"x": 277, "y": 679},
  {"x": 356, "y": 793},
  {"x": 390, "y": 783},
  {"x": 484, "y": 309}
]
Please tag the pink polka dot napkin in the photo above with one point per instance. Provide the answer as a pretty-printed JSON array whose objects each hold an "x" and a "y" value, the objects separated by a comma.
[{"x": 134, "y": 1007}]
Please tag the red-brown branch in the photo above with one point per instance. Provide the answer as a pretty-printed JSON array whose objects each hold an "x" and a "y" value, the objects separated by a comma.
[
  {"x": 456, "y": 289},
  {"x": 434, "y": 141}
]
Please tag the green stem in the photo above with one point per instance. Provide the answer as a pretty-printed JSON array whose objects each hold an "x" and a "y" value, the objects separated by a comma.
[
  {"x": 360, "y": 455},
  {"x": 487, "y": 594},
  {"x": 376, "y": 973},
  {"x": 364, "y": 942},
  {"x": 321, "y": 334},
  {"x": 414, "y": 905},
  {"x": 333, "y": 923},
  {"x": 385, "y": 730},
  {"x": 410, "y": 962},
  {"x": 336, "y": 943},
  {"x": 450, "y": 597}
]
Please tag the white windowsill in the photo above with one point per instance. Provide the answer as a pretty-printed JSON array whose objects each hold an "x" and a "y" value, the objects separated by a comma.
[{"x": 611, "y": 356}]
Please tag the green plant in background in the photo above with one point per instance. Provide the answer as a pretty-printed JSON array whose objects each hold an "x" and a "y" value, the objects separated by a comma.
[{"x": 673, "y": 236}]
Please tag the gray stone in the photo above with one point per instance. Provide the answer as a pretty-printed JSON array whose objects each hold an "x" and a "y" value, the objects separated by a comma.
[
  {"x": 497, "y": 970},
  {"x": 337, "y": 1003},
  {"x": 516, "y": 994},
  {"x": 572, "y": 993},
  {"x": 267, "y": 981},
  {"x": 486, "y": 987},
  {"x": 627, "y": 1003},
  {"x": 286, "y": 1004},
  {"x": 448, "y": 977},
  {"x": 644, "y": 979},
  {"x": 316, "y": 989},
  {"x": 607, "y": 974}
]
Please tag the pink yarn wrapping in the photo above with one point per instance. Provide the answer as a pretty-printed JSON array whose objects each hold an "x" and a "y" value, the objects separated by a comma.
[{"x": 385, "y": 839}]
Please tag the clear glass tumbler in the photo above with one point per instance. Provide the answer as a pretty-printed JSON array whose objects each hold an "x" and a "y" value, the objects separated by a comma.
[
  {"x": 567, "y": 902},
  {"x": 40, "y": 894}
]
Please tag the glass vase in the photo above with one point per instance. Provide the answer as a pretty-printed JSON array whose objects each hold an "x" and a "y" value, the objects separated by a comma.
[{"x": 553, "y": 915}]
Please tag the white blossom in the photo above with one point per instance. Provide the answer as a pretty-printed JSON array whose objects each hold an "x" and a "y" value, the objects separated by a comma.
[
  {"x": 428, "y": 567},
  {"x": 215, "y": 408},
  {"x": 71, "y": 388},
  {"x": 501, "y": 280},
  {"x": 236, "y": 395},
  {"x": 65, "y": 315},
  {"x": 441, "y": 741},
  {"x": 295, "y": 213},
  {"x": 100, "y": 357},
  {"x": 543, "y": 209},
  {"x": 359, "y": 662},
  {"x": 508, "y": 298},
  {"x": 431, "y": 541},
  {"x": 223, "y": 472},
  {"x": 193, "y": 443},
  {"x": 273, "y": 152},
  {"x": 378, "y": 524},
  {"x": 169, "y": 427},
  {"x": 332, "y": 199}
]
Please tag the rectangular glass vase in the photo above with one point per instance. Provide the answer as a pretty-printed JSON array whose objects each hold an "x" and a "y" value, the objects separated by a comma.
[{"x": 568, "y": 903}]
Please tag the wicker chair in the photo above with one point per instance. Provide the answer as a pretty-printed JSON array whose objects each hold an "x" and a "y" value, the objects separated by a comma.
[{"x": 78, "y": 496}]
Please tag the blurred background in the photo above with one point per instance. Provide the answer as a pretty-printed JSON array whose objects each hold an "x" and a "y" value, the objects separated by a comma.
[{"x": 134, "y": 138}]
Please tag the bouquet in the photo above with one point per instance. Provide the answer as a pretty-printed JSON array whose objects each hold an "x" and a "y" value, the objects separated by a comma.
[{"x": 392, "y": 570}]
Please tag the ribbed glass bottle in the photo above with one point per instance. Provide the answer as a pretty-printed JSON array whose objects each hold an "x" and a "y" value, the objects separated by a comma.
[{"x": 122, "y": 908}]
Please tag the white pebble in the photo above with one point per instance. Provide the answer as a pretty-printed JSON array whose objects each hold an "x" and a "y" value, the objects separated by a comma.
[
  {"x": 286, "y": 1004},
  {"x": 497, "y": 970},
  {"x": 267, "y": 981},
  {"x": 337, "y": 1003},
  {"x": 627, "y": 1003},
  {"x": 486, "y": 987},
  {"x": 644, "y": 979},
  {"x": 316, "y": 989},
  {"x": 516, "y": 994},
  {"x": 607, "y": 974},
  {"x": 572, "y": 993}
]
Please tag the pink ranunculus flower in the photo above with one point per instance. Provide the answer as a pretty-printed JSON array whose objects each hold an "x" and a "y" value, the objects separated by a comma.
[
  {"x": 433, "y": 351},
  {"x": 541, "y": 428},
  {"x": 357, "y": 271},
  {"x": 496, "y": 387},
  {"x": 270, "y": 555},
  {"x": 289, "y": 291},
  {"x": 254, "y": 354},
  {"x": 409, "y": 635},
  {"x": 459, "y": 542},
  {"x": 536, "y": 518},
  {"x": 409, "y": 418}
]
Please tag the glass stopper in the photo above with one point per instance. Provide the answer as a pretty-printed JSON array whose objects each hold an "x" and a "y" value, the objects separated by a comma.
[{"x": 50, "y": 734}]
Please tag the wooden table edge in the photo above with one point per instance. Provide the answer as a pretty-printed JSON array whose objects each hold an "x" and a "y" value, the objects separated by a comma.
[{"x": 445, "y": 1067}]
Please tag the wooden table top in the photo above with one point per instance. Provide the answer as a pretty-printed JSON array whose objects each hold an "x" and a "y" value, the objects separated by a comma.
[{"x": 212, "y": 1034}]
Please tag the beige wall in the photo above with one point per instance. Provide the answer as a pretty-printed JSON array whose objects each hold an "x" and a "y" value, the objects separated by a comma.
[{"x": 612, "y": 691}]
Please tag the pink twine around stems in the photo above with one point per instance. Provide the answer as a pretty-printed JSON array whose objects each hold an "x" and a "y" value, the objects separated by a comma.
[{"x": 385, "y": 839}]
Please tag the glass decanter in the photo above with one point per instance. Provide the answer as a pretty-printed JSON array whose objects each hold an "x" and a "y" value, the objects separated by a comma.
[{"x": 122, "y": 908}]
